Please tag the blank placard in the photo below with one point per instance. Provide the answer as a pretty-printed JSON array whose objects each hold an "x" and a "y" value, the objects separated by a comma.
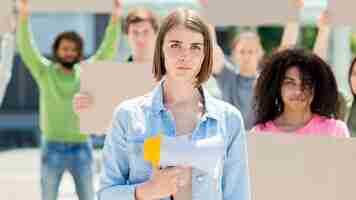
[
  {"x": 5, "y": 14},
  {"x": 342, "y": 12},
  {"x": 109, "y": 84},
  {"x": 301, "y": 167},
  {"x": 83, "y": 6},
  {"x": 250, "y": 12}
]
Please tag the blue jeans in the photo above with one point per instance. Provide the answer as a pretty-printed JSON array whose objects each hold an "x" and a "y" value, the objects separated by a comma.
[{"x": 58, "y": 157}]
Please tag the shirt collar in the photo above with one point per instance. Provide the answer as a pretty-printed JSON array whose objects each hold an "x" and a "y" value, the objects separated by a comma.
[{"x": 157, "y": 105}]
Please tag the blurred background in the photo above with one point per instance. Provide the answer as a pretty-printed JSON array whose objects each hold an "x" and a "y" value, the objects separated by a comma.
[{"x": 19, "y": 119}]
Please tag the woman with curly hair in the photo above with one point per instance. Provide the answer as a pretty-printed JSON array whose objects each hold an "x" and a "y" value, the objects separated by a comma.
[{"x": 297, "y": 92}]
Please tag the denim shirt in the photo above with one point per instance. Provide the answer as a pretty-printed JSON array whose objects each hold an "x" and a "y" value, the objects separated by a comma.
[{"x": 135, "y": 120}]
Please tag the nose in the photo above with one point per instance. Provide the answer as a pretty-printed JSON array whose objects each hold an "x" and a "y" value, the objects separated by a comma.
[
  {"x": 299, "y": 91},
  {"x": 183, "y": 54},
  {"x": 140, "y": 37},
  {"x": 71, "y": 54}
]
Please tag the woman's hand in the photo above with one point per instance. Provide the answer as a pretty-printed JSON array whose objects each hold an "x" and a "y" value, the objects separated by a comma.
[{"x": 163, "y": 183}]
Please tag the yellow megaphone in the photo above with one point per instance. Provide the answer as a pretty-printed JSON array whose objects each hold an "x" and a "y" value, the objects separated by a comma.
[
  {"x": 152, "y": 150},
  {"x": 206, "y": 154}
]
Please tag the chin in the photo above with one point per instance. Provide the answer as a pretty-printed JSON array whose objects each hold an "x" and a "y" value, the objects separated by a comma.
[
  {"x": 181, "y": 74},
  {"x": 298, "y": 106},
  {"x": 181, "y": 78}
]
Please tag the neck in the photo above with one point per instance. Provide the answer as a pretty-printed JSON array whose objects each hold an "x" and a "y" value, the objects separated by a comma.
[
  {"x": 294, "y": 118},
  {"x": 66, "y": 70},
  {"x": 179, "y": 92},
  {"x": 142, "y": 57},
  {"x": 248, "y": 71}
]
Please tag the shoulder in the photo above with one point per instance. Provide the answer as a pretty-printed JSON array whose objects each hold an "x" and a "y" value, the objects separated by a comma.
[
  {"x": 263, "y": 127},
  {"x": 139, "y": 102},
  {"x": 224, "y": 108},
  {"x": 132, "y": 107},
  {"x": 229, "y": 118},
  {"x": 339, "y": 127}
]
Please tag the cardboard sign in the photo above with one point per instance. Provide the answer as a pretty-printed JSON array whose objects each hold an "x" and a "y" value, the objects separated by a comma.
[
  {"x": 109, "y": 84},
  {"x": 84, "y": 6},
  {"x": 342, "y": 12},
  {"x": 5, "y": 15},
  {"x": 301, "y": 167},
  {"x": 105, "y": 6},
  {"x": 250, "y": 12}
]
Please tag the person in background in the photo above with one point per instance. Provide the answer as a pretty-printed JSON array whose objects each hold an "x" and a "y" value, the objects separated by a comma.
[
  {"x": 64, "y": 147},
  {"x": 351, "y": 114},
  {"x": 321, "y": 48},
  {"x": 7, "y": 58},
  {"x": 141, "y": 27},
  {"x": 234, "y": 87},
  {"x": 297, "y": 93}
]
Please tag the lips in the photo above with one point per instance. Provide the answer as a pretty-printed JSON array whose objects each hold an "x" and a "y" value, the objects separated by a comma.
[
  {"x": 141, "y": 45},
  {"x": 69, "y": 59},
  {"x": 298, "y": 99},
  {"x": 184, "y": 68}
]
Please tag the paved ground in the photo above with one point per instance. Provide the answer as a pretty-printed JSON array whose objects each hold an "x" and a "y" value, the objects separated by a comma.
[{"x": 20, "y": 179}]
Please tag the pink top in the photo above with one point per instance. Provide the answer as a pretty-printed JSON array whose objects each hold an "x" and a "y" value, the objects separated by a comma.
[{"x": 318, "y": 125}]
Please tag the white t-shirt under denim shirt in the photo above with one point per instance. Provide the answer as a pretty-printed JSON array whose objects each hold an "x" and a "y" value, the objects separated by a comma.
[{"x": 185, "y": 192}]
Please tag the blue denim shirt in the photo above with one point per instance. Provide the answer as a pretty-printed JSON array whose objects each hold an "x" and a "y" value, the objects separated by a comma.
[{"x": 134, "y": 120}]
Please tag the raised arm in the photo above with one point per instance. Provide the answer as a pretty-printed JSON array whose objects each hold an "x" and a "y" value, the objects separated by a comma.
[
  {"x": 29, "y": 53},
  {"x": 110, "y": 43},
  {"x": 291, "y": 30},
  {"x": 218, "y": 54},
  {"x": 322, "y": 40}
]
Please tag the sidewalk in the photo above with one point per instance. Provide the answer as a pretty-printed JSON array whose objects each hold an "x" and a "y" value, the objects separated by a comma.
[{"x": 20, "y": 176}]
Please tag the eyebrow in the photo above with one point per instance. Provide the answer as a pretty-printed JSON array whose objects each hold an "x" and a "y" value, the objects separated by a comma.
[
  {"x": 289, "y": 78},
  {"x": 175, "y": 41},
  {"x": 197, "y": 44},
  {"x": 180, "y": 42}
]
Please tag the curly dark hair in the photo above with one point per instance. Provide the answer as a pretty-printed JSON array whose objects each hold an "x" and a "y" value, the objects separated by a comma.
[
  {"x": 71, "y": 36},
  {"x": 315, "y": 73}
]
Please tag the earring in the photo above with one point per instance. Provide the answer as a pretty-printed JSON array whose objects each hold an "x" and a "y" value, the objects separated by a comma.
[{"x": 278, "y": 105}]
